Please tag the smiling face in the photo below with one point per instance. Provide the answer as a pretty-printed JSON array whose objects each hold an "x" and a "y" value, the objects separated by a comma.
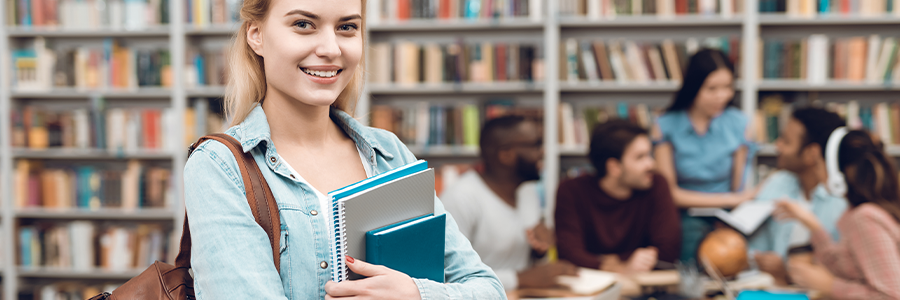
[
  {"x": 311, "y": 49},
  {"x": 716, "y": 92}
]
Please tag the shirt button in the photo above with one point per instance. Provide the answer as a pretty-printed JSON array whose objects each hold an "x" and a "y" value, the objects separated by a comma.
[
  {"x": 323, "y": 265},
  {"x": 293, "y": 177},
  {"x": 314, "y": 212},
  {"x": 272, "y": 159}
]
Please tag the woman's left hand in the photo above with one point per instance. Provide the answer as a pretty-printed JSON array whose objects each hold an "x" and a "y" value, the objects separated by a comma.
[
  {"x": 786, "y": 209},
  {"x": 382, "y": 283},
  {"x": 811, "y": 276}
]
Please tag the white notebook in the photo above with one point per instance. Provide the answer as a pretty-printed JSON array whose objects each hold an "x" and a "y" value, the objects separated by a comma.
[
  {"x": 395, "y": 201},
  {"x": 746, "y": 217}
]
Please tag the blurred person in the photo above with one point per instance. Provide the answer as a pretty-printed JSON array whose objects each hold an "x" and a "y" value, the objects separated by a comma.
[
  {"x": 702, "y": 146},
  {"x": 499, "y": 210},
  {"x": 621, "y": 218},
  {"x": 802, "y": 179},
  {"x": 865, "y": 262},
  {"x": 296, "y": 72}
]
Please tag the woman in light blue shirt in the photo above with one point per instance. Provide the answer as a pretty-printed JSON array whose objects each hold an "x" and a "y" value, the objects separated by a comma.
[
  {"x": 296, "y": 70},
  {"x": 702, "y": 146}
]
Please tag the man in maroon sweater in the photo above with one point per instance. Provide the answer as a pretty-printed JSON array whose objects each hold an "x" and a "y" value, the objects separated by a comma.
[{"x": 621, "y": 219}]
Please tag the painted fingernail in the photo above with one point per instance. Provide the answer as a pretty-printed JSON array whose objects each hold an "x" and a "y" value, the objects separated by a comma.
[{"x": 350, "y": 259}]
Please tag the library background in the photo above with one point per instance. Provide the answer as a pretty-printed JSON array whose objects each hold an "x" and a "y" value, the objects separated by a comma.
[{"x": 99, "y": 99}]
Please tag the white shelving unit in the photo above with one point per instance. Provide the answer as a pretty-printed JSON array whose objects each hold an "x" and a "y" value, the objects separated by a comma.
[{"x": 551, "y": 30}]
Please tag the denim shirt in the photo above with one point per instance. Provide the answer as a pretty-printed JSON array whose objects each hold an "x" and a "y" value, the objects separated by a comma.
[
  {"x": 705, "y": 163},
  {"x": 231, "y": 256},
  {"x": 775, "y": 236}
]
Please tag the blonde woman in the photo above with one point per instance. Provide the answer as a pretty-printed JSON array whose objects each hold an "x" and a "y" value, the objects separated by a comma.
[{"x": 296, "y": 69}]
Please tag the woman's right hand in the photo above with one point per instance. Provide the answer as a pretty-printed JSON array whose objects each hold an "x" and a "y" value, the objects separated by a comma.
[
  {"x": 785, "y": 210},
  {"x": 382, "y": 283}
]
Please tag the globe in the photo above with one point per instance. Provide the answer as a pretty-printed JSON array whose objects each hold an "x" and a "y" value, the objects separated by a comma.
[{"x": 725, "y": 249}]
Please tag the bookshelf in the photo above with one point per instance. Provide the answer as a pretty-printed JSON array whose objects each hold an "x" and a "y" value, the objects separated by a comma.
[{"x": 547, "y": 30}]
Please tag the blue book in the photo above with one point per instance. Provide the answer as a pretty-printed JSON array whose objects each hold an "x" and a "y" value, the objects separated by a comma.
[
  {"x": 414, "y": 247},
  {"x": 754, "y": 295},
  {"x": 379, "y": 179}
]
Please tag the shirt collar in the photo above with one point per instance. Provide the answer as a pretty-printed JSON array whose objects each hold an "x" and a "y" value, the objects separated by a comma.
[{"x": 255, "y": 129}]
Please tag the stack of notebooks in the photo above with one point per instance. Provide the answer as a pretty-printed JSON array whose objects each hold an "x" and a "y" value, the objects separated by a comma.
[{"x": 389, "y": 220}]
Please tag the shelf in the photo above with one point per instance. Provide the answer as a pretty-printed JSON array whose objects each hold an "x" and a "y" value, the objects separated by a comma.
[
  {"x": 97, "y": 214},
  {"x": 75, "y": 153},
  {"x": 444, "y": 151},
  {"x": 454, "y": 25},
  {"x": 212, "y": 30},
  {"x": 467, "y": 88},
  {"x": 830, "y": 86},
  {"x": 769, "y": 150},
  {"x": 833, "y": 19},
  {"x": 207, "y": 92},
  {"x": 58, "y": 93},
  {"x": 68, "y": 273},
  {"x": 650, "y": 21},
  {"x": 612, "y": 86},
  {"x": 26, "y": 32}
]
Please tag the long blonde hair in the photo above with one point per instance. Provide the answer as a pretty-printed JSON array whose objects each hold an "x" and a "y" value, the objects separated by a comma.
[{"x": 247, "y": 76}]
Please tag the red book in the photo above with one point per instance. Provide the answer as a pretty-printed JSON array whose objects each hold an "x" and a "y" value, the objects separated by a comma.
[
  {"x": 37, "y": 13},
  {"x": 681, "y": 7},
  {"x": 403, "y": 9},
  {"x": 500, "y": 61},
  {"x": 444, "y": 9},
  {"x": 845, "y": 7},
  {"x": 34, "y": 190},
  {"x": 150, "y": 120}
]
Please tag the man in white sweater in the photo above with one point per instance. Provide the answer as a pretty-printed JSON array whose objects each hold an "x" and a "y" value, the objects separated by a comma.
[{"x": 498, "y": 208}]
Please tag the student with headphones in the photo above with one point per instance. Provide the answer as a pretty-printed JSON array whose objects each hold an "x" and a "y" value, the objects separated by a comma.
[
  {"x": 865, "y": 262},
  {"x": 296, "y": 71}
]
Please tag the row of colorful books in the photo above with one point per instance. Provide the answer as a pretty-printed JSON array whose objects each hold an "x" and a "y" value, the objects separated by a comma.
[
  {"x": 206, "y": 67},
  {"x": 609, "y": 9},
  {"x": 882, "y": 119},
  {"x": 86, "y": 246},
  {"x": 399, "y": 10},
  {"x": 635, "y": 61},
  {"x": 410, "y": 63},
  {"x": 41, "y": 67},
  {"x": 136, "y": 185},
  {"x": 85, "y": 14},
  {"x": 871, "y": 59},
  {"x": 202, "y": 13},
  {"x": 425, "y": 124},
  {"x": 118, "y": 130},
  {"x": 812, "y": 8},
  {"x": 577, "y": 121}
]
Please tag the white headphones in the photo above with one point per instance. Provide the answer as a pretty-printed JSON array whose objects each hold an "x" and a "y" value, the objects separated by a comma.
[{"x": 836, "y": 184}]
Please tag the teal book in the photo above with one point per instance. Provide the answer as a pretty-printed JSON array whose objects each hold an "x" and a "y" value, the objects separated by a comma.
[{"x": 414, "y": 247}]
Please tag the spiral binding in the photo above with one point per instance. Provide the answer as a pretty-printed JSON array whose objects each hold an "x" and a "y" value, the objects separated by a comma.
[{"x": 339, "y": 271}]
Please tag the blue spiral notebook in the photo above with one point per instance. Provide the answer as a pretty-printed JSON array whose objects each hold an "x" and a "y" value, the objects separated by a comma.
[
  {"x": 414, "y": 247},
  {"x": 402, "y": 194}
]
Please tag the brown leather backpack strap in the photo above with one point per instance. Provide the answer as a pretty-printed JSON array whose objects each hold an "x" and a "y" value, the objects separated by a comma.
[
  {"x": 183, "y": 260},
  {"x": 259, "y": 196}
]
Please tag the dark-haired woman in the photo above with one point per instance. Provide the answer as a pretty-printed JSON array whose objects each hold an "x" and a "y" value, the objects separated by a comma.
[
  {"x": 865, "y": 263},
  {"x": 702, "y": 145}
]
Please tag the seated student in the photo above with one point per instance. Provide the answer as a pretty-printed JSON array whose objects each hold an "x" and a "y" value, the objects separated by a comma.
[
  {"x": 621, "y": 219},
  {"x": 499, "y": 212},
  {"x": 801, "y": 156},
  {"x": 865, "y": 262}
]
